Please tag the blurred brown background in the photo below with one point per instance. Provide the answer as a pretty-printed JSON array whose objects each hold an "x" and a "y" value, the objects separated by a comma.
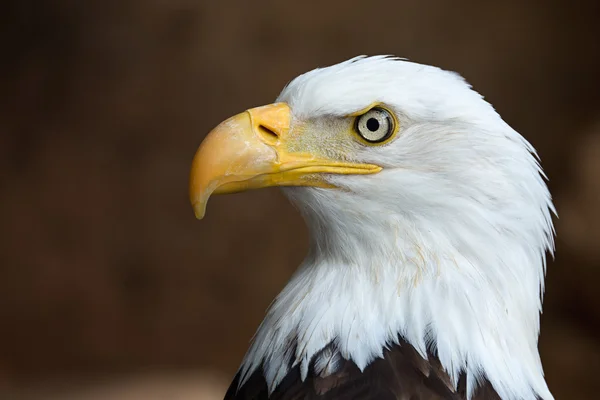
[{"x": 110, "y": 289}]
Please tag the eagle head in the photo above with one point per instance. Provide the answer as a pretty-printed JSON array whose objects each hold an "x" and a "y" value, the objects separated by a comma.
[{"x": 428, "y": 214}]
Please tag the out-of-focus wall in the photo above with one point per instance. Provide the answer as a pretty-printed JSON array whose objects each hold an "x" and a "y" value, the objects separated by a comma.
[{"x": 103, "y": 268}]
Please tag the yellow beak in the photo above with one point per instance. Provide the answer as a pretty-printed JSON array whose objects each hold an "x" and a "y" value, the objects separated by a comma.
[{"x": 249, "y": 151}]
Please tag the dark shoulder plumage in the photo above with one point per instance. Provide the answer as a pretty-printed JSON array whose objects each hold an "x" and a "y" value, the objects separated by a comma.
[{"x": 402, "y": 374}]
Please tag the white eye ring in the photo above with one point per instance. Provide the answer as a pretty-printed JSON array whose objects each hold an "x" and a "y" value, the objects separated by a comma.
[{"x": 375, "y": 126}]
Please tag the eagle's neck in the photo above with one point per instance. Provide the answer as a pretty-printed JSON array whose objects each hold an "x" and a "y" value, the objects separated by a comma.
[{"x": 367, "y": 282}]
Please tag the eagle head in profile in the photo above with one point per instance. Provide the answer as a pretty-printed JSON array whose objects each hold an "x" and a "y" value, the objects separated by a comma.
[{"x": 429, "y": 221}]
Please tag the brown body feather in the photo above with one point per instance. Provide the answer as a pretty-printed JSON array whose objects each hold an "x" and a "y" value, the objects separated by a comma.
[{"x": 402, "y": 374}]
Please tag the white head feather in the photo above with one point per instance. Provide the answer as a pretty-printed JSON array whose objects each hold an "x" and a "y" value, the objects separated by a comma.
[{"x": 446, "y": 246}]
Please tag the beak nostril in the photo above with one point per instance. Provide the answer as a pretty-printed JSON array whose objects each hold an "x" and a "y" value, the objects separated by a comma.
[{"x": 268, "y": 134}]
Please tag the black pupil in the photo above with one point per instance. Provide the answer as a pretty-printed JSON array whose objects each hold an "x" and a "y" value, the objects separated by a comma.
[{"x": 372, "y": 124}]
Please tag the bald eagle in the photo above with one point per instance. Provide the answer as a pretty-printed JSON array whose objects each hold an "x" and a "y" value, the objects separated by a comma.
[{"x": 429, "y": 222}]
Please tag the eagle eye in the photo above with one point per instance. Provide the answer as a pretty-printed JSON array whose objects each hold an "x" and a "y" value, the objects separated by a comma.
[{"x": 376, "y": 125}]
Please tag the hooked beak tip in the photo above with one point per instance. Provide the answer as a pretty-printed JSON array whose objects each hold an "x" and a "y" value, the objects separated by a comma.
[{"x": 199, "y": 209}]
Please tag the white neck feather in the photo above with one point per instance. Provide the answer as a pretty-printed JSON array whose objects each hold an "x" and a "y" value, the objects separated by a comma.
[{"x": 472, "y": 297}]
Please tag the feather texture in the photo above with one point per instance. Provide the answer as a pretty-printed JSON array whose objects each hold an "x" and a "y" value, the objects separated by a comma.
[{"x": 402, "y": 374}]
